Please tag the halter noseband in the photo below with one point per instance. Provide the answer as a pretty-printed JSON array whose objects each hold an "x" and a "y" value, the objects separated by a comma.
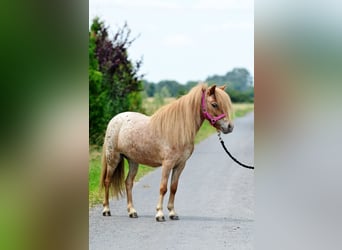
[{"x": 205, "y": 113}]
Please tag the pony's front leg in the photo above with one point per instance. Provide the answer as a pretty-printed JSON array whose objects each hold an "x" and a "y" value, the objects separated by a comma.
[
  {"x": 176, "y": 172},
  {"x": 133, "y": 169},
  {"x": 163, "y": 189}
]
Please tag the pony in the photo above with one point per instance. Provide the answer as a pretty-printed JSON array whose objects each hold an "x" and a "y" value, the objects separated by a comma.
[{"x": 164, "y": 139}]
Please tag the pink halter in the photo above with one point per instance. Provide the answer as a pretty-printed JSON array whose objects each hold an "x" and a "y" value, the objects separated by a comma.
[{"x": 205, "y": 113}]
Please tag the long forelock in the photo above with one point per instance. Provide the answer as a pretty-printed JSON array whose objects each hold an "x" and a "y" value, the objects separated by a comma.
[{"x": 223, "y": 100}]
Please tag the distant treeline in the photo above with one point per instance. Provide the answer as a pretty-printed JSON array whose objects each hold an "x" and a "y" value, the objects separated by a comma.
[{"x": 239, "y": 85}]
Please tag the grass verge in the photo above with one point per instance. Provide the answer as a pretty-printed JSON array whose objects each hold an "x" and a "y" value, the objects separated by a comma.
[{"x": 95, "y": 196}]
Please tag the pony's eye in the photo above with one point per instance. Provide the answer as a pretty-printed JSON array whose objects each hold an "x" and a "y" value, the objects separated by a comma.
[{"x": 214, "y": 104}]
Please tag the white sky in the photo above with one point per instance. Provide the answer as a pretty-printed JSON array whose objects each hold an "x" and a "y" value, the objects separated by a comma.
[{"x": 184, "y": 40}]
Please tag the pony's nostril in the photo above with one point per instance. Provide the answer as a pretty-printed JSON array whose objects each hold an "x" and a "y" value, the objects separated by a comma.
[{"x": 230, "y": 127}]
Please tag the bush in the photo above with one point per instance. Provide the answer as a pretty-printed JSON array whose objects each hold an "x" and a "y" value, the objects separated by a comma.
[{"x": 114, "y": 83}]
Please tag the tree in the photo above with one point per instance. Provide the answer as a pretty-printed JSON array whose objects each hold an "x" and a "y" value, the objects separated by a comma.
[
  {"x": 99, "y": 108},
  {"x": 238, "y": 79},
  {"x": 239, "y": 84},
  {"x": 114, "y": 83},
  {"x": 172, "y": 86},
  {"x": 149, "y": 87}
]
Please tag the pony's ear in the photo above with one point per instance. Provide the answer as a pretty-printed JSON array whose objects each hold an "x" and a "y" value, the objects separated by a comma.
[
  {"x": 223, "y": 87},
  {"x": 212, "y": 90}
]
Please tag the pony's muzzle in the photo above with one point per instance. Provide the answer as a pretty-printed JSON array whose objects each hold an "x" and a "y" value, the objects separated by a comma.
[{"x": 227, "y": 128}]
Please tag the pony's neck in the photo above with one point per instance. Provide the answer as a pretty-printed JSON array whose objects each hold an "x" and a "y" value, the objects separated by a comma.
[{"x": 179, "y": 122}]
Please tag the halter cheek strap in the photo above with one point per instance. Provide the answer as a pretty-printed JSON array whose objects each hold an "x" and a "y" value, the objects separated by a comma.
[{"x": 208, "y": 116}]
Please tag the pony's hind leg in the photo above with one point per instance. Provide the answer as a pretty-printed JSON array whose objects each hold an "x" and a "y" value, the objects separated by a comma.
[
  {"x": 108, "y": 170},
  {"x": 133, "y": 169}
]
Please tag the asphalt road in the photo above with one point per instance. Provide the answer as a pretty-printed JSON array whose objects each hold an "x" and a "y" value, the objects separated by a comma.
[{"x": 215, "y": 203}]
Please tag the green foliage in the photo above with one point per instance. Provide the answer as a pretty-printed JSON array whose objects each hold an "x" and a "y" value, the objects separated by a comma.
[
  {"x": 149, "y": 87},
  {"x": 239, "y": 85},
  {"x": 164, "y": 92},
  {"x": 135, "y": 100},
  {"x": 114, "y": 83},
  {"x": 241, "y": 96},
  {"x": 158, "y": 99},
  {"x": 238, "y": 79},
  {"x": 190, "y": 84},
  {"x": 173, "y": 87},
  {"x": 99, "y": 108}
]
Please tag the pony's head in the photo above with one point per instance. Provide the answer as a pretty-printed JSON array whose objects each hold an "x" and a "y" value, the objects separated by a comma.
[{"x": 218, "y": 108}]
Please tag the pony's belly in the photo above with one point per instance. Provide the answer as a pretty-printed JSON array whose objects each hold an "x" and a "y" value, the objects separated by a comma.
[
  {"x": 142, "y": 158},
  {"x": 143, "y": 154},
  {"x": 149, "y": 163},
  {"x": 155, "y": 156}
]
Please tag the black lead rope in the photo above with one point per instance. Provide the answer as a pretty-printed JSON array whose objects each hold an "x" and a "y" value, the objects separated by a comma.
[{"x": 233, "y": 158}]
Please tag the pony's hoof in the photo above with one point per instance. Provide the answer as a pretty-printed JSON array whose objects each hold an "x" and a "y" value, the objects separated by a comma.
[
  {"x": 133, "y": 215},
  {"x": 106, "y": 213},
  {"x": 160, "y": 218},
  {"x": 174, "y": 217}
]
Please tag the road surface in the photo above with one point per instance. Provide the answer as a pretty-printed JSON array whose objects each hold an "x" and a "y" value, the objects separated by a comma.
[{"x": 215, "y": 203}]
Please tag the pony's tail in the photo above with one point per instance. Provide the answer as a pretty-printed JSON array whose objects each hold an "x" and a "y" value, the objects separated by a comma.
[{"x": 117, "y": 180}]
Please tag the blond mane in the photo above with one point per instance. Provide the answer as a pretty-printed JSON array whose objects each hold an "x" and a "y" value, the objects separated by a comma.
[{"x": 179, "y": 121}]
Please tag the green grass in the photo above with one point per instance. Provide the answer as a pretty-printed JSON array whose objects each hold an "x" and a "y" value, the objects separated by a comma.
[
  {"x": 241, "y": 109},
  {"x": 95, "y": 196},
  {"x": 205, "y": 131},
  {"x": 94, "y": 176}
]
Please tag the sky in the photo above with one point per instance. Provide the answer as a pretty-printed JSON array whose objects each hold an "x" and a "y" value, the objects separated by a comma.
[{"x": 183, "y": 40}]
